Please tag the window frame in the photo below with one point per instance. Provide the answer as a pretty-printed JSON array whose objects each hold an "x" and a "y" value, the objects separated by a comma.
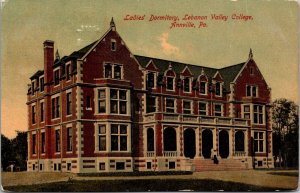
[
  {"x": 34, "y": 144},
  {"x": 259, "y": 141},
  {"x": 173, "y": 83},
  {"x": 69, "y": 103},
  {"x": 174, "y": 105},
  {"x": 201, "y": 111},
  {"x": 190, "y": 84},
  {"x": 56, "y": 74},
  {"x": 55, "y": 107},
  {"x": 112, "y": 72},
  {"x": 101, "y": 135},
  {"x": 220, "y": 89},
  {"x": 184, "y": 110},
  {"x": 119, "y": 136},
  {"x": 205, "y": 88},
  {"x": 154, "y": 79},
  {"x": 69, "y": 139},
  {"x": 148, "y": 105},
  {"x": 222, "y": 114},
  {"x": 57, "y": 141},
  {"x": 33, "y": 114},
  {"x": 119, "y": 101},
  {"x": 68, "y": 72},
  {"x": 42, "y": 111},
  {"x": 42, "y": 83},
  {"x": 43, "y": 142},
  {"x": 113, "y": 45},
  {"x": 259, "y": 116},
  {"x": 250, "y": 92}
]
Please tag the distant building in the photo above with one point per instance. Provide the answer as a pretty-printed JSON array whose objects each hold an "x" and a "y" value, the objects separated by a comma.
[{"x": 103, "y": 109}]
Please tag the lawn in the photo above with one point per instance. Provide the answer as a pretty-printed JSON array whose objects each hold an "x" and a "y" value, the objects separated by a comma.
[{"x": 138, "y": 186}]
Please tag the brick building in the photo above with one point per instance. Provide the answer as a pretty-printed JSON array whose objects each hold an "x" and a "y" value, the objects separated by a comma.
[{"x": 104, "y": 109}]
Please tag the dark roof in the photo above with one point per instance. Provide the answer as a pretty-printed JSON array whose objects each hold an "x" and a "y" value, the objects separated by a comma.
[
  {"x": 228, "y": 73},
  {"x": 83, "y": 51},
  {"x": 37, "y": 74}
]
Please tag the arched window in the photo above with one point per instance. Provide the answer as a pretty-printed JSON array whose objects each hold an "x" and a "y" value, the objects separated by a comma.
[
  {"x": 239, "y": 141},
  {"x": 150, "y": 139},
  {"x": 170, "y": 139}
]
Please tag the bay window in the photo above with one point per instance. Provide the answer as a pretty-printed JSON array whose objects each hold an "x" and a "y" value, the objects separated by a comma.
[
  {"x": 119, "y": 137},
  {"x": 118, "y": 101},
  {"x": 101, "y": 101},
  {"x": 247, "y": 111},
  {"x": 102, "y": 137},
  {"x": 258, "y": 114}
]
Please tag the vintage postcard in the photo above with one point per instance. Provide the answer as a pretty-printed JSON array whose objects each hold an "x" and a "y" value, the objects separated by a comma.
[{"x": 140, "y": 95}]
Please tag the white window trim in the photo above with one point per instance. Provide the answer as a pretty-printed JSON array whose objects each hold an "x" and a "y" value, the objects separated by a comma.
[
  {"x": 146, "y": 78},
  {"x": 68, "y": 64},
  {"x": 190, "y": 85},
  {"x": 156, "y": 104},
  {"x": 205, "y": 88},
  {"x": 191, "y": 104},
  {"x": 60, "y": 135},
  {"x": 128, "y": 137},
  {"x": 127, "y": 101},
  {"x": 67, "y": 127},
  {"x": 67, "y": 92},
  {"x": 112, "y": 64},
  {"x": 173, "y": 83},
  {"x": 175, "y": 104},
  {"x": 206, "y": 111},
  {"x": 145, "y": 137},
  {"x": 264, "y": 139},
  {"x": 35, "y": 117},
  {"x": 41, "y": 101},
  {"x": 54, "y": 96},
  {"x": 54, "y": 70},
  {"x": 252, "y": 112},
  {"x": 36, "y": 142},
  {"x": 251, "y": 91},
  {"x": 40, "y": 83},
  {"x": 96, "y": 135},
  {"x": 221, "y": 88},
  {"x": 35, "y": 86},
  {"x": 222, "y": 109},
  {"x": 43, "y": 131}
]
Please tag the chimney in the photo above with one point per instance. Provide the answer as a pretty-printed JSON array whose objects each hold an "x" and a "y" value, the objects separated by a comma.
[{"x": 48, "y": 60}]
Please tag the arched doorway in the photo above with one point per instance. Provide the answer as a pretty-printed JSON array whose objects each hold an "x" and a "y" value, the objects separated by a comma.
[
  {"x": 170, "y": 139},
  {"x": 189, "y": 143},
  {"x": 223, "y": 144},
  {"x": 239, "y": 141},
  {"x": 207, "y": 143}
]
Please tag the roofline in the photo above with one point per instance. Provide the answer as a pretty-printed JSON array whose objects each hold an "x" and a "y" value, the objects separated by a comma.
[{"x": 238, "y": 74}]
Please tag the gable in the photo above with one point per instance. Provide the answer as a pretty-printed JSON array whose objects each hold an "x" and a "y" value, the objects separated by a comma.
[
  {"x": 217, "y": 77},
  {"x": 186, "y": 72},
  {"x": 151, "y": 66}
]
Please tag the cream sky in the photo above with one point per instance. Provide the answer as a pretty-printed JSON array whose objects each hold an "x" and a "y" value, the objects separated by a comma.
[{"x": 72, "y": 24}]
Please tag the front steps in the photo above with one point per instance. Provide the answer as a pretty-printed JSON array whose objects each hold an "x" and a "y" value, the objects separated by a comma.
[{"x": 224, "y": 164}]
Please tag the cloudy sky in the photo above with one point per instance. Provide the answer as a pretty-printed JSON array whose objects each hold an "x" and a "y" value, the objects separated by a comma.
[{"x": 272, "y": 34}]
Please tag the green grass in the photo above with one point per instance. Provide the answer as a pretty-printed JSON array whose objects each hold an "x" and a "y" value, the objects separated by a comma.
[
  {"x": 138, "y": 186},
  {"x": 284, "y": 173}
]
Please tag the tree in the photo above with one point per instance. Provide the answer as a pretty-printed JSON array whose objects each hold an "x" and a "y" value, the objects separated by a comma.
[
  {"x": 285, "y": 127},
  {"x": 19, "y": 145},
  {"x": 6, "y": 151}
]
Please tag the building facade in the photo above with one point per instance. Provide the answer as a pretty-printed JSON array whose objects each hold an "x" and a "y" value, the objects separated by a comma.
[{"x": 103, "y": 109}]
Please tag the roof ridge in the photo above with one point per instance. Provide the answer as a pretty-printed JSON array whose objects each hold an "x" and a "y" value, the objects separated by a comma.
[{"x": 177, "y": 62}]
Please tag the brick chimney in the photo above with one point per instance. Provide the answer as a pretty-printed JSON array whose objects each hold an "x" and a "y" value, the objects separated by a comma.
[{"x": 48, "y": 61}]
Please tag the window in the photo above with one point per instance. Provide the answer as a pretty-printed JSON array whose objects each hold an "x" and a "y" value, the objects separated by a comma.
[
  {"x": 203, "y": 87},
  {"x": 251, "y": 91},
  {"x": 33, "y": 114},
  {"x": 113, "y": 45},
  {"x": 55, "y": 107},
  {"x": 118, "y": 137},
  {"x": 69, "y": 166},
  {"x": 170, "y": 142},
  {"x": 170, "y": 105},
  {"x": 42, "y": 84},
  {"x": 202, "y": 108},
  {"x": 120, "y": 166},
  {"x": 239, "y": 141},
  {"x": 113, "y": 71},
  {"x": 33, "y": 166},
  {"x": 69, "y": 103},
  {"x": 32, "y": 87},
  {"x": 187, "y": 107},
  {"x": 150, "y": 80},
  {"x": 172, "y": 165},
  {"x": 150, "y": 104},
  {"x": 258, "y": 142},
  {"x": 247, "y": 112},
  {"x": 59, "y": 166},
  {"x": 69, "y": 139},
  {"x": 68, "y": 71},
  {"x": 118, "y": 101},
  {"x": 41, "y": 167},
  {"x": 117, "y": 72},
  {"x": 186, "y": 84},
  {"x": 258, "y": 114},
  {"x": 88, "y": 102},
  {"x": 148, "y": 165},
  {"x": 218, "y": 110},
  {"x": 170, "y": 83},
  {"x": 101, "y": 101},
  {"x": 101, "y": 166},
  {"x": 57, "y": 140},
  {"x": 150, "y": 139},
  {"x": 102, "y": 137},
  {"x": 218, "y": 89},
  {"x": 56, "y": 77},
  {"x": 43, "y": 142},
  {"x": 42, "y": 111},
  {"x": 108, "y": 71},
  {"x": 33, "y": 143}
]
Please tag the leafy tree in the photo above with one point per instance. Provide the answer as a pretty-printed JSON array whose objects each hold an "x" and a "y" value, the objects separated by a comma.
[
  {"x": 6, "y": 151},
  {"x": 19, "y": 145},
  {"x": 285, "y": 127}
]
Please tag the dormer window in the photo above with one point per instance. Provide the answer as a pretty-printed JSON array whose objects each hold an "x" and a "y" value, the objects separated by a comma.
[
  {"x": 170, "y": 83},
  {"x": 42, "y": 84},
  {"x": 32, "y": 87},
  {"x": 203, "y": 87},
  {"x": 150, "y": 80},
  {"x": 187, "y": 84},
  {"x": 68, "y": 71},
  {"x": 218, "y": 89},
  {"x": 56, "y": 77},
  {"x": 113, "y": 45},
  {"x": 251, "y": 91}
]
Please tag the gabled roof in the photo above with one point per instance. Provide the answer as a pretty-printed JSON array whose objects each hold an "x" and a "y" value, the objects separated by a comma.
[
  {"x": 80, "y": 53},
  {"x": 37, "y": 74},
  {"x": 227, "y": 73}
]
